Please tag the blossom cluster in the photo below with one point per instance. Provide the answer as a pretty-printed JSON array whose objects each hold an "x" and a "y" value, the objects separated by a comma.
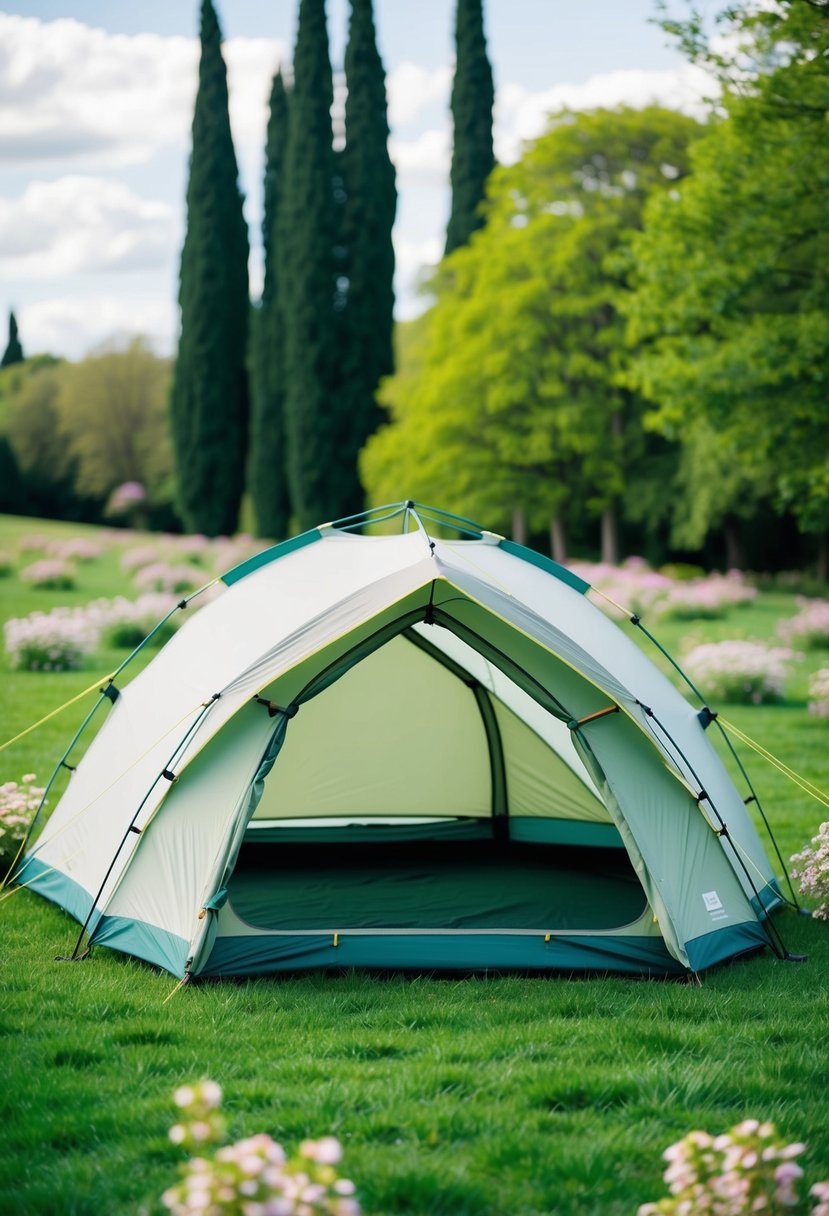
[
  {"x": 819, "y": 693},
  {"x": 59, "y": 640},
  {"x": 62, "y": 640},
  {"x": 75, "y": 548},
  {"x": 160, "y": 576},
  {"x": 51, "y": 574},
  {"x": 18, "y": 804},
  {"x": 218, "y": 555},
  {"x": 635, "y": 587},
  {"x": 125, "y": 498},
  {"x": 747, "y": 1169},
  {"x": 811, "y": 870},
  {"x": 739, "y": 671},
  {"x": 254, "y": 1176},
  {"x": 810, "y": 627}
]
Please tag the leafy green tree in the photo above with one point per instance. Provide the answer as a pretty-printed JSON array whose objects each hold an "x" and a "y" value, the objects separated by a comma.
[
  {"x": 46, "y": 464},
  {"x": 369, "y": 209},
  {"x": 516, "y": 398},
  {"x": 267, "y": 469},
  {"x": 209, "y": 400},
  {"x": 112, "y": 416},
  {"x": 473, "y": 96},
  {"x": 14, "y": 351},
  {"x": 731, "y": 309},
  {"x": 308, "y": 231}
]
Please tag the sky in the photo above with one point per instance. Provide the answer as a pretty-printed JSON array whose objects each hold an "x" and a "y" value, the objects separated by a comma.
[{"x": 96, "y": 101}]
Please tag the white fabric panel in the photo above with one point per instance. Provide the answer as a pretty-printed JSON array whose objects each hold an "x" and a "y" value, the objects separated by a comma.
[{"x": 165, "y": 882}]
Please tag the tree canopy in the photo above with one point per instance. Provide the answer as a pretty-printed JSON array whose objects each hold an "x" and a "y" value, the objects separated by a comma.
[
  {"x": 473, "y": 96},
  {"x": 515, "y": 396},
  {"x": 731, "y": 309}
]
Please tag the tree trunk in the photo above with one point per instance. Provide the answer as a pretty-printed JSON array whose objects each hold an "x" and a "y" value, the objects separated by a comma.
[
  {"x": 519, "y": 526},
  {"x": 733, "y": 548},
  {"x": 558, "y": 539},
  {"x": 610, "y": 537}
]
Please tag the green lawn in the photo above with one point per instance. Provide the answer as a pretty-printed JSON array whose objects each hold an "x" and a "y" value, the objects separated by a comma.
[{"x": 459, "y": 1095}]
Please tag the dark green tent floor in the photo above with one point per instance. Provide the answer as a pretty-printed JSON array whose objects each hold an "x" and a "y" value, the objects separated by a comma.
[{"x": 434, "y": 885}]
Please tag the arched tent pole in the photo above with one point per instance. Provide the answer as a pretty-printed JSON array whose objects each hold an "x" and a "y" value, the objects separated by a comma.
[
  {"x": 108, "y": 693},
  {"x": 707, "y": 716},
  {"x": 168, "y": 775}
]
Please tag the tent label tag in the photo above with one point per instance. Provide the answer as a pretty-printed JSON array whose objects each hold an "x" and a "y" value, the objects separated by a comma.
[{"x": 713, "y": 904}]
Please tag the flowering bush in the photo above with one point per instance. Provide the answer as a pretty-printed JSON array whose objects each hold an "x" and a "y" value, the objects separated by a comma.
[
  {"x": 810, "y": 628},
  {"x": 748, "y": 1169},
  {"x": 819, "y": 693},
  {"x": 51, "y": 574},
  {"x": 253, "y": 1177},
  {"x": 75, "y": 548},
  {"x": 706, "y": 598},
  {"x": 811, "y": 870},
  {"x": 5, "y": 565},
  {"x": 162, "y": 577},
  {"x": 127, "y": 501},
  {"x": 35, "y": 542},
  {"x": 143, "y": 555},
  {"x": 747, "y": 672},
  {"x": 59, "y": 640},
  {"x": 18, "y": 804},
  {"x": 125, "y": 623}
]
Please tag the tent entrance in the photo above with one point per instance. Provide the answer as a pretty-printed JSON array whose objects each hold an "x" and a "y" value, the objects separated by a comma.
[{"x": 433, "y": 884}]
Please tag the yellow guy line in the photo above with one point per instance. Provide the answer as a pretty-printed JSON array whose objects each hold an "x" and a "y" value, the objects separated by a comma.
[
  {"x": 805, "y": 785},
  {"x": 55, "y": 712}
]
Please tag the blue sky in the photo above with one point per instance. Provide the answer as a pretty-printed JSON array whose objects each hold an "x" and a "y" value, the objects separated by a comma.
[{"x": 96, "y": 101}]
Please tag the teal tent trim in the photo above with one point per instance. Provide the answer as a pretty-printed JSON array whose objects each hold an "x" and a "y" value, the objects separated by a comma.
[
  {"x": 141, "y": 940},
  {"x": 545, "y": 563},
  {"x": 715, "y": 947},
  {"x": 271, "y": 555},
  {"x": 264, "y": 954},
  {"x": 52, "y": 885},
  {"x": 525, "y": 828}
]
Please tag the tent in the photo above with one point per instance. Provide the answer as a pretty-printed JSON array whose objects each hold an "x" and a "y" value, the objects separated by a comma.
[{"x": 424, "y": 749}]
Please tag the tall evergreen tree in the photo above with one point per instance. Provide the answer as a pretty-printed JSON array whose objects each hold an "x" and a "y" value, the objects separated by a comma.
[
  {"x": 308, "y": 235},
  {"x": 267, "y": 466},
  {"x": 370, "y": 205},
  {"x": 14, "y": 351},
  {"x": 473, "y": 96},
  {"x": 209, "y": 400}
]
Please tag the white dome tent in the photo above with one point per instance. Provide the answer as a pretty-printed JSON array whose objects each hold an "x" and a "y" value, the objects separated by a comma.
[{"x": 405, "y": 751}]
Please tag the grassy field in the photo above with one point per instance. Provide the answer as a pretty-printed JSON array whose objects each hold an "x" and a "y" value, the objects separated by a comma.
[{"x": 451, "y": 1096}]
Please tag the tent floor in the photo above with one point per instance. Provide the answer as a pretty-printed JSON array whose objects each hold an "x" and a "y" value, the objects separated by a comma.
[{"x": 434, "y": 885}]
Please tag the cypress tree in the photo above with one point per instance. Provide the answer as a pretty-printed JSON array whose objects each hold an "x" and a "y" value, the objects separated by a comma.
[
  {"x": 209, "y": 400},
  {"x": 267, "y": 468},
  {"x": 369, "y": 210},
  {"x": 473, "y": 96},
  {"x": 14, "y": 351},
  {"x": 308, "y": 233}
]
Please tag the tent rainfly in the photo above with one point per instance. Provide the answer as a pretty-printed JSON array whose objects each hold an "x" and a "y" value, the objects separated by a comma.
[{"x": 405, "y": 752}]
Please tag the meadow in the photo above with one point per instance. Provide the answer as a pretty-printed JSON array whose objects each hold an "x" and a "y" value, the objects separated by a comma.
[{"x": 457, "y": 1096}]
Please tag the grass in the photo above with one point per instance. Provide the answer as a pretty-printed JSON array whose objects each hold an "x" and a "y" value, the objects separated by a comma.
[{"x": 478, "y": 1095}]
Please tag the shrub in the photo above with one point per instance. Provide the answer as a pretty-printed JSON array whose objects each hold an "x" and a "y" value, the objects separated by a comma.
[
  {"x": 34, "y": 543},
  {"x": 143, "y": 555},
  {"x": 18, "y": 804},
  {"x": 255, "y": 1175},
  {"x": 819, "y": 693},
  {"x": 743, "y": 672},
  {"x": 51, "y": 574},
  {"x": 125, "y": 623},
  {"x": 810, "y": 628},
  {"x": 60, "y": 640},
  {"x": 75, "y": 548},
  {"x": 6, "y": 565},
  {"x": 707, "y": 598},
  {"x": 811, "y": 870},
  {"x": 162, "y": 577},
  {"x": 748, "y": 1169}
]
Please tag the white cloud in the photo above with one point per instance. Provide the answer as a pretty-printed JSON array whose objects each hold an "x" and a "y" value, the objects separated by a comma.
[
  {"x": 412, "y": 260},
  {"x": 521, "y": 115},
  {"x": 69, "y": 92},
  {"x": 83, "y": 225},
  {"x": 72, "y": 325},
  {"x": 425, "y": 159},
  {"x": 410, "y": 88}
]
